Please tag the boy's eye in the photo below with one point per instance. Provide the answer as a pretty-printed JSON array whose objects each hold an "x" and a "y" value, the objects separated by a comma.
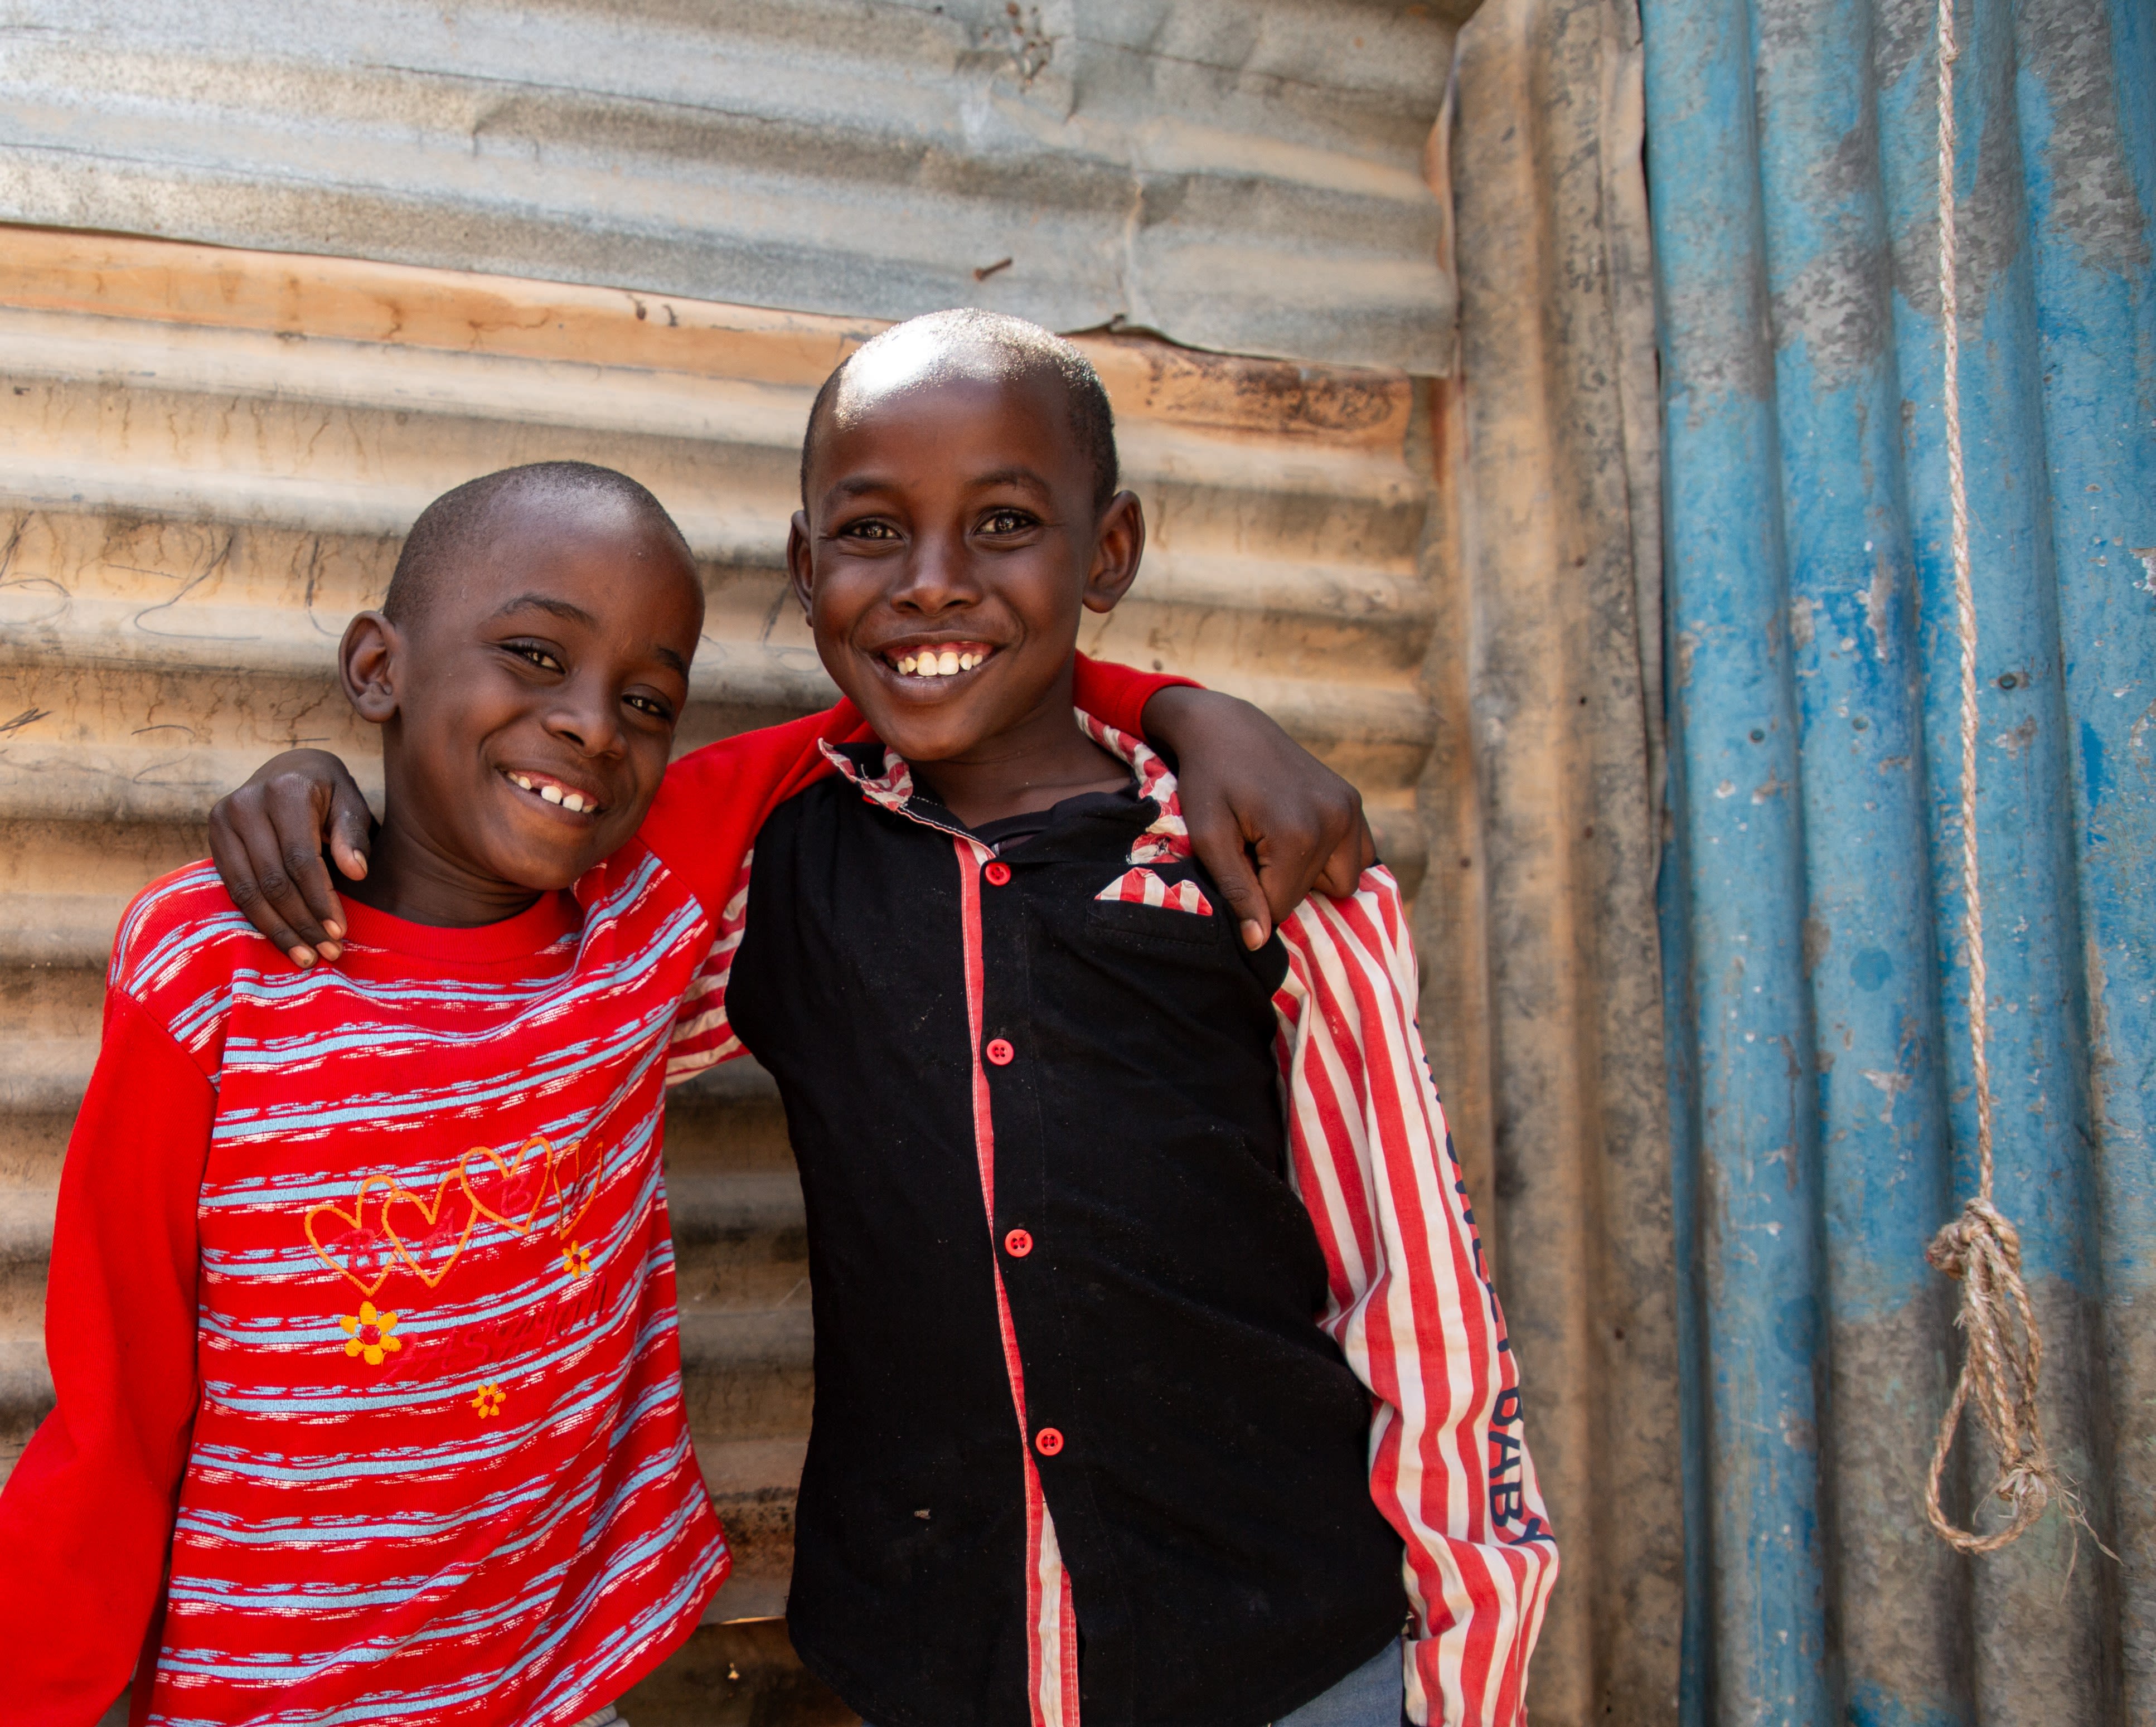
[
  {"x": 537, "y": 655},
  {"x": 870, "y": 529},
  {"x": 1007, "y": 521},
  {"x": 646, "y": 704}
]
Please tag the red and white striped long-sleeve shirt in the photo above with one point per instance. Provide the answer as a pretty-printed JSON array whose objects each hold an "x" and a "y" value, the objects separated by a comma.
[{"x": 1407, "y": 1296}]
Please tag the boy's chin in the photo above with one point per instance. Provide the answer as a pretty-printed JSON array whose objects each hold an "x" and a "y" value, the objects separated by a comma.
[
  {"x": 547, "y": 869},
  {"x": 936, "y": 736},
  {"x": 931, "y": 727}
]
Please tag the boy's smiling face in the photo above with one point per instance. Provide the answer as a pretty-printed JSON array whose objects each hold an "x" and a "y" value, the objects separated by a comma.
[
  {"x": 949, "y": 542},
  {"x": 529, "y": 700}
]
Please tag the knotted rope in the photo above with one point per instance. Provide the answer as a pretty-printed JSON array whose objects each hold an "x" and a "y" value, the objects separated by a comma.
[{"x": 2002, "y": 1352}]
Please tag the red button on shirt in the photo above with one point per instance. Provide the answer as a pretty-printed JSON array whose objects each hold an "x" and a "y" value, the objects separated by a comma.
[
  {"x": 1000, "y": 1052},
  {"x": 1018, "y": 1243},
  {"x": 1048, "y": 1441},
  {"x": 998, "y": 875}
]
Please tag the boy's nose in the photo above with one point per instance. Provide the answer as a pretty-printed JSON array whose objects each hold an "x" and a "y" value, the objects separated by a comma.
[
  {"x": 588, "y": 720},
  {"x": 936, "y": 575}
]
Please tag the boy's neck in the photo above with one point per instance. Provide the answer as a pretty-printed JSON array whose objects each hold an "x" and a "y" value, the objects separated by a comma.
[
  {"x": 1031, "y": 766},
  {"x": 410, "y": 877}
]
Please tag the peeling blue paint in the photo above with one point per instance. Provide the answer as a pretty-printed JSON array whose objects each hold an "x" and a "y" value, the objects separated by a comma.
[
  {"x": 1822, "y": 1093},
  {"x": 2096, "y": 783}
]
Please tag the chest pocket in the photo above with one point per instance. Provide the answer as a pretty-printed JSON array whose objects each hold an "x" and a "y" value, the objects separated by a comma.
[{"x": 1140, "y": 904}]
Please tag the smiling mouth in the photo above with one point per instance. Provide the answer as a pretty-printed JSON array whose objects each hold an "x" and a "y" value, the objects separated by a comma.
[
  {"x": 553, "y": 791},
  {"x": 923, "y": 662}
]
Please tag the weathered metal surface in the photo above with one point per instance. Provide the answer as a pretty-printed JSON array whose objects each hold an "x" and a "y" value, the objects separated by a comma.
[
  {"x": 1542, "y": 805},
  {"x": 206, "y": 458},
  {"x": 1822, "y": 1081},
  {"x": 1242, "y": 175}
]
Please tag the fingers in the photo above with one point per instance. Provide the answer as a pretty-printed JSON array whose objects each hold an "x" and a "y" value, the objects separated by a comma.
[
  {"x": 351, "y": 831},
  {"x": 311, "y": 903},
  {"x": 297, "y": 882},
  {"x": 1355, "y": 852},
  {"x": 1323, "y": 848},
  {"x": 1287, "y": 866},
  {"x": 267, "y": 839},
  {"x": 1218, "y": 840},
  {"x": 1248, "y": 786},
  {"x": 242, "y": 845}
]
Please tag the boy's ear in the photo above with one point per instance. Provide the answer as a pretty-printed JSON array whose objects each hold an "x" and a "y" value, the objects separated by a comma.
[
  {"x": 367, "y": 660},
  {"x": 800, "y": 567},
  {"x": 1118, "y": 544}
]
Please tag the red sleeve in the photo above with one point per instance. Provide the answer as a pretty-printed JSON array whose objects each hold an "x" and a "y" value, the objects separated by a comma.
[
  {"x": 713, "y": 800},
  {"x": 86, "y": 1519},
  {"x": 1117, "y": 695}
]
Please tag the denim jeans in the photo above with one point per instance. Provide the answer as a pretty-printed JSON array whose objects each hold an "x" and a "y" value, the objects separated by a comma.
[{"x": 1373, "y": 1695}]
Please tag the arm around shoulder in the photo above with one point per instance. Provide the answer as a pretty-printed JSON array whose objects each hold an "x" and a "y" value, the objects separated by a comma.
[
  {"x": 1116, "y": 695},
  {"x": 1411, "y": 1305},
  {"x": 86, "y": 1518}
]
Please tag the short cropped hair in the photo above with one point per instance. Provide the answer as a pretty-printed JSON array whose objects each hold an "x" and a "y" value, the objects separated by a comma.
[
  {"x": 448, "y": 524},
  {"x": 1020, "y": 349}
]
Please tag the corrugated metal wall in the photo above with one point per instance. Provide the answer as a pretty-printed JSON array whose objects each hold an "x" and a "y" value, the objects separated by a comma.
[
  {"x": 1308, "y": 530},
  {"x": 1821, "y": 1088},
  {"x": 207, "y": 457},
  {"x": 1547, "y": 670},
  {"x": 1244, "y": 175}
]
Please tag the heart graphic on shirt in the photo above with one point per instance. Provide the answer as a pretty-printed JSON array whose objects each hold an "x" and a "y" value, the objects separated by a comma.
[
  {"x": 576, "y": 1183},
  {"x": 508, "y": 1190},
  {"x": 359, "y": 1252},
  {"x": 434, "y": 1234}
]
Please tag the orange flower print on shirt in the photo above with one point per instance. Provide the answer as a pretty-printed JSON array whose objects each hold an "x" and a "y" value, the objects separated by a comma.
[
  {"x": 489, "y": 1400},
  {"x": 368, "y": 1334},
  {"x": 577, "y": 1259}
]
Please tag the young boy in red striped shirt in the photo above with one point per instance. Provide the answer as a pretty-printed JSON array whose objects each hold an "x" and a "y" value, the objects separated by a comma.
[
  {"x": 361, "y": 1310},
  {"x": 1158, "y": 1380}
]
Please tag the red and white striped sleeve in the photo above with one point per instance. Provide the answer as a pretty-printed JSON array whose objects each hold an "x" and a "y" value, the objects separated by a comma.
[
  {"x": 703, "y": 1035},
  {"x": 1411, "y": 1305}
]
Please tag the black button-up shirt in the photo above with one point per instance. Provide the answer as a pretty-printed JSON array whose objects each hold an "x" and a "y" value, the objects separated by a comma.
[{"x": 1068, "y": 1354}]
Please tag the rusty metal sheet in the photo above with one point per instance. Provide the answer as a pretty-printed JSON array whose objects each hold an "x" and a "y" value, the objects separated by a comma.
[
  {"x": 1242, "y": 175},
  {"x": 1544, "y": 824},
  {"x": 207, "y": 459}
]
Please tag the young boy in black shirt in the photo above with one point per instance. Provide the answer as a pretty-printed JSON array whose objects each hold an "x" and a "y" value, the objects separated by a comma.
[{"x": 1158, "y": 1379}]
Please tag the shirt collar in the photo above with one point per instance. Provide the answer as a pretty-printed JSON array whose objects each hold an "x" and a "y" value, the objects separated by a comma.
[{"x": 883, "y": 778}]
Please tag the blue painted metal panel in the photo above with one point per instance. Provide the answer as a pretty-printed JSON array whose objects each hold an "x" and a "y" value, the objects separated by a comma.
[{"x": 1822, "y": 1093}]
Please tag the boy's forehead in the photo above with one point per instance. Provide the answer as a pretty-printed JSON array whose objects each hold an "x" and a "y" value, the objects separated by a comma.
[
  {"x": 988, "y": 389},
  {"x": 596, "y": 552}
]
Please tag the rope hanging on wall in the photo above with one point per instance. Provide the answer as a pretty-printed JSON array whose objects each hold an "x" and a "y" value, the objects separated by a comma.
[{"x": 2002, "y": 1350}]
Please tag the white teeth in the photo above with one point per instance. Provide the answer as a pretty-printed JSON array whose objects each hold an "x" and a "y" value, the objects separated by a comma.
[
  {"x": 928, "y": 663},
  {"x": 521, "y": 781},
  {"x": 552, "y": 794},
  {"x": 574, "y": 800}
]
